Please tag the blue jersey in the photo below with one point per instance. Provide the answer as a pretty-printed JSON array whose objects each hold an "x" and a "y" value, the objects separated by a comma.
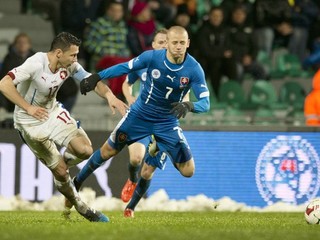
[
  {"x": 134, "y": 76},
  {"x": 165, "y": 83}
]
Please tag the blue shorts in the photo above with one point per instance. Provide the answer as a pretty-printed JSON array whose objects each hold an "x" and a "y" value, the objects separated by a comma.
[{"x": 168, "y": 134}]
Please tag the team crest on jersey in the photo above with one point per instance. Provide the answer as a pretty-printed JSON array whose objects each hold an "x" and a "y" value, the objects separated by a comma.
[
  {"x": 122, "y": 137},
  {"x": 184, "y": 82},
  {"x": 144, "y": 76},
  {"x": 63, "y": 74},
  {"x": 155, "y": 73},
  {"x": 288, "y": 170}
]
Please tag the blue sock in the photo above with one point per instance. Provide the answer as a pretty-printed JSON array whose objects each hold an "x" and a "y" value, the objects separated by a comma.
[
  {"x": 141, "y": 189},
  {"x": 93, "y": 163},
  {"x": 133, "y": 172}
]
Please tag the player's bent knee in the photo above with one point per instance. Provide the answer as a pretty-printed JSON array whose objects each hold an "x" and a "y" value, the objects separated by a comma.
[
  {"x": 84, "y": 152},
  {"x": 136, "y": 159},
  {"x": 188, "y": 173}
]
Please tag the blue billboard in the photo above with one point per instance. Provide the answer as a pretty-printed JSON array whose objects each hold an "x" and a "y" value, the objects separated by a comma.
[{"x": 255, "y": 168}]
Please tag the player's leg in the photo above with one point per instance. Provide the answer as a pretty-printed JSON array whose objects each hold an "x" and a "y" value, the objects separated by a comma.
[
  {"x": 47, "y": 152},
  {"x": 64, "y": 185},
  {"x": 78, "y": 150},
  {"x": 175, "y": 144},
  {"x": 151, "y": 163},
  {"x": 77, "y": 143},
  {"x": 142, "y": 187},
  {"x": 96, "y": 160},
  {"x": 136, "y": 153},
  {"x": 186, "y": 168},
  {"x": 117, "y": 140}
]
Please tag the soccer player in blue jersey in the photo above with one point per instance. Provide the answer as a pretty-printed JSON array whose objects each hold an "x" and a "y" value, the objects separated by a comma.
[
  {"x": 138, "y": 149},
  {"x": 171, "y": 73}
]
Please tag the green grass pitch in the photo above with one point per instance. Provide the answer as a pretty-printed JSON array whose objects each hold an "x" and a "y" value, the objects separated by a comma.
[{"x": 34, "y": 225}]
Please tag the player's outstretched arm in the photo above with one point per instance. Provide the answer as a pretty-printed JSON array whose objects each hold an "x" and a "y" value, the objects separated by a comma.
[
  {"x": 89, "y": 83},
  {"x": 115, "y": 104}
]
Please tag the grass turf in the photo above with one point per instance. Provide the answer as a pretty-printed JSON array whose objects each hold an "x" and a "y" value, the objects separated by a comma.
[{"x": 20, "y": 225}]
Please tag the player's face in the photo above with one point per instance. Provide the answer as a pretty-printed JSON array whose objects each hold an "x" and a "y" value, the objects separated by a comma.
[
  {"x": 68, "y": 57},
  {"x": 160, "y": 41},
  {"x": 177, "y": 45}
]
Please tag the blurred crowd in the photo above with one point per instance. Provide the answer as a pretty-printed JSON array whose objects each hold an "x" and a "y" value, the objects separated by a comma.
[{"x": 226, "y": 35}]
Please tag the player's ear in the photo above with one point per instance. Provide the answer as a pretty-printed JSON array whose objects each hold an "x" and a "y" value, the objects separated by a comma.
[{"x": 59, "y": 53}]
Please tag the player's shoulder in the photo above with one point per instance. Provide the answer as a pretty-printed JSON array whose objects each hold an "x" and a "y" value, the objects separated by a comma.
[
  {"x": 37, "y": 60},
  {"x": 191, "y": 61}
]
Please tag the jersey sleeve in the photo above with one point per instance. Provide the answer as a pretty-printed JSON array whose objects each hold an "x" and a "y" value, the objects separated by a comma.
[
  {"x": 25, "y": 71},
  {"x": 200, "y": 89},
  {"x": 133, "y": 77},
  {"x": 78, "y": 72},
  {"x": 137, "y": 63}
]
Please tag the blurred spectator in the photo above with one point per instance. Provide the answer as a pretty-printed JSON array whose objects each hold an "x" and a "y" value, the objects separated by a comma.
[
  {"x": 229, "y": 5},
  {"x": 18, "y": 52},
  {"x": 312, "y": 103},
  {"x": 202, "y": 9},
  {"x": 303, "y": 14},
  {"x": 106, "y": 41},
  {"x": 268, "y": 14},
  {"x": 313, "y": 59},
  {"x": 76, "y": 15},
  {"x": 192, "y": 8},
  {"x": 50, "y": 10},
  {"x": 244, "y": 46},
  {"x": 282, "y": 23},
  {"x": 214, "y": 49},
  {"x": 163, "y": 10},
  {"x": 25, "y": 6},
  {"x": 141, "y": 27}
]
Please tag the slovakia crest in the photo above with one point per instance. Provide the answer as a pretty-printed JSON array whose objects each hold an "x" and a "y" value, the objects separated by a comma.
[
  {"x": 287, "y": 170},
  {"x": 184, "y": 82},
  {"x": 63, "y": 74}
]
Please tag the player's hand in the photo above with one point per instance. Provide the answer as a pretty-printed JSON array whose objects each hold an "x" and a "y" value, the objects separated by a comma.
[
  {"x": 116, "y": 103},
  {"x": 38, "y": 112},
  {"x": 131, "y": 100},
  {"x": 88, "y": 84},
  {"x": 180, "y": 109}
]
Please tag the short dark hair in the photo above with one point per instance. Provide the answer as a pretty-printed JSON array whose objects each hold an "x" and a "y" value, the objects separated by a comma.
[
  {"x": 63, "y": 41},
  {"x": 161, "y": 30}
]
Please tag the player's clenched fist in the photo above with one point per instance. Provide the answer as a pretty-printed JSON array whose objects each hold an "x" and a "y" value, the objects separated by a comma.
[
  {"x": 180, "y": 109},
  {"x": 88, "y": 84}
]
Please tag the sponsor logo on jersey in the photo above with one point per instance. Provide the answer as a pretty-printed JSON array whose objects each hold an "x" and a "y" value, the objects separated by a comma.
[
  {"x": 171, "y": 78},
  {"x": 155, "y": 73},
  {"x": 287, "y": 170}
]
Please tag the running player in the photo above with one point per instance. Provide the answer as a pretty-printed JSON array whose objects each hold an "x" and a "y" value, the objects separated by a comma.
[
  {"x": 137, "y": 150},
  {"x": 170, "y": 74},
  {"x": 43, "y": 123}
]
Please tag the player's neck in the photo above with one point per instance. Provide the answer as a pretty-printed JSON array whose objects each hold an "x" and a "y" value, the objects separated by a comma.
[
  {"x": 53, "y": 62},
  {"x": 175, "y": 60}
]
